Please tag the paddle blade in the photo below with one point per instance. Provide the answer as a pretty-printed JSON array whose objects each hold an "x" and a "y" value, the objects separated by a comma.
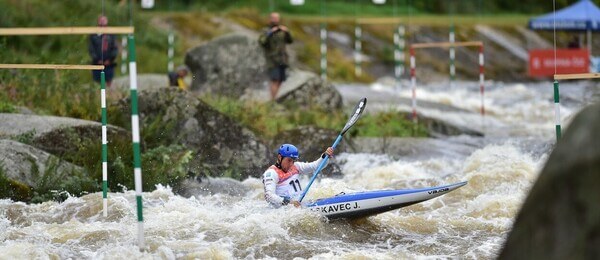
[{"x": 360, "y": 107}]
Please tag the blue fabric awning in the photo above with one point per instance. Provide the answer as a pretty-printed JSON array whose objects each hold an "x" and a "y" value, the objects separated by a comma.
[{"x": 581, "y": 16}]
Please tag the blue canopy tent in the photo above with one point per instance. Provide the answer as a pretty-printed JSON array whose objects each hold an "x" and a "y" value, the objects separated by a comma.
[{"x": 581, "y": 16}]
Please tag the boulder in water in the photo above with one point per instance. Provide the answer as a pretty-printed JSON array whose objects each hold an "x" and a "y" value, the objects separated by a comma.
[{"x": 560, "y": 218}]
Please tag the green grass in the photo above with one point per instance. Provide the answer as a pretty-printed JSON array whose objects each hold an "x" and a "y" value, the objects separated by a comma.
[
  {"x": 6, "y": 107},
  {"x": 388, "y": 124},
  {"x": 268, "y": 119},
  {"x": 62, "y": 93}
]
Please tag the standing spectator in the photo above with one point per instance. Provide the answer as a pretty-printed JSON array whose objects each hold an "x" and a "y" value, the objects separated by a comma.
[
  {"x": 103, "y": 49},
  {"x": 176, "y": 77},
  {"x": 273, "y": 41}
]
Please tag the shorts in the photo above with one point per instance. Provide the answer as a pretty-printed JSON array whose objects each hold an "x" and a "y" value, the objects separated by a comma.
[
  {"x": 278, "y": 73},
  {"x": 109, "y": 73}
]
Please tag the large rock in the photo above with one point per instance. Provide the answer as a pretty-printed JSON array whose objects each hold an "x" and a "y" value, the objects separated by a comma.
[
  {"x": 560, "y": 218},
  {"x": 24, "y": 168},
  {"x": 36, "y": 126},
  {"x": 146, "y": 81},
  {"x": 227, "y": 65},
  {"x": 234, "y": 65},
  {"x": 308, "y": 90},
  {"x": 223, "y": 147},
  {"x": 58, "y": 135}
]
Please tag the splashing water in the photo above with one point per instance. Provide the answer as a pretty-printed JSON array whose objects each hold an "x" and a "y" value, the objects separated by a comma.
[{"x": 471, "y": 222}]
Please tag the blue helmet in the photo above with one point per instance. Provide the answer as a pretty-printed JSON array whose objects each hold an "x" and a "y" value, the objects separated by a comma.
[{"x": 288, "y": 150}]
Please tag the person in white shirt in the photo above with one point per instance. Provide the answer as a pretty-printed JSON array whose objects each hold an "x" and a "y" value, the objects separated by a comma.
[{"x": 281, "y": 180}]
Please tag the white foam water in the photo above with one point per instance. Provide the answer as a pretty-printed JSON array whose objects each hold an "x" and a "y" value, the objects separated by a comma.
[{"x": 471, "y": 222}]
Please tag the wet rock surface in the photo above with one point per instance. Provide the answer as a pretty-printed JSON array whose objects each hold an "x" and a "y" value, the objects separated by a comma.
[
  {"x": 221, "y": 145},
  {"x": 307, "y": 90},
  {"x": 560, "y": 218},
  {"x": 227, "y": 65}
]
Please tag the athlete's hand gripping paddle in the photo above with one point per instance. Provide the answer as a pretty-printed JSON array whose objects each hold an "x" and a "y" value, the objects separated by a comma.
[{"x": 360, "y": 107}]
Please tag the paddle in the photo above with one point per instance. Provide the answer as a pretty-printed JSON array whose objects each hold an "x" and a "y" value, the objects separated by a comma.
[{"x": 357, "y": 112}]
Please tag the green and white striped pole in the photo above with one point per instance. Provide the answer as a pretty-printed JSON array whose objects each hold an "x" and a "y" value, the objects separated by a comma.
[
  {"x": 413, "y": 84},
  {"x": 135, "y": 133},
  {"x": 323, "y": 51},
  {"x": 171, "y": 40},
  {"x": 123, "y": 55},
  {"x": 104, "y": 145},
  {"x": 399, "y": 55},
  {"x": 171, "y": 51},
  {"x": 557, "y": 110},
  {"x": 357, "y": 50},
  {"x": 452, "y": 57}
]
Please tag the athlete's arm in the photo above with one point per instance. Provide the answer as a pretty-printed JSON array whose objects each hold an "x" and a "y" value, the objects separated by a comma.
[{"x": 304, "y": 167}]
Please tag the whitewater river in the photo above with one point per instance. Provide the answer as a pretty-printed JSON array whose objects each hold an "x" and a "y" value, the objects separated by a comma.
[{"x": 471, "y": 222}]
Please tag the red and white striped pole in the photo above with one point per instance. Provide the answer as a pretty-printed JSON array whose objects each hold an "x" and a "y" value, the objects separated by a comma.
[
  {"x": 481, "y": 79},
  {"x": 413, "y": 84}
]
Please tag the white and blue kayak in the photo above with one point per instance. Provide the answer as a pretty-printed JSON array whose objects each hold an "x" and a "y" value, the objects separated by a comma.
[{"x": 368, "y": 203}]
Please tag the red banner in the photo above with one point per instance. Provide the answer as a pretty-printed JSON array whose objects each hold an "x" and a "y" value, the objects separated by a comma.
[{"x": 541, "y": 62}]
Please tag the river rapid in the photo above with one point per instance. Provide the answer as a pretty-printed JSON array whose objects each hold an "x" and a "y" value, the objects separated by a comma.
[{"x": 471, "y": 222}]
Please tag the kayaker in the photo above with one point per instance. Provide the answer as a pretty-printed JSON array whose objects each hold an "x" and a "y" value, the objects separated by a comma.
[{"x": 281, "y": 180}]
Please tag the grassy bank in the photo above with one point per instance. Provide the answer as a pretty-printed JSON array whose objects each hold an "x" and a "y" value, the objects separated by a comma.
[{"x": 267, "y": 119}]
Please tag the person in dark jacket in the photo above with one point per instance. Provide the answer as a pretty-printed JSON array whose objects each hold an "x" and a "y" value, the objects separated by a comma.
[
  {"x": 103, "y": 49},
  {"x": 273, "y": 41}
]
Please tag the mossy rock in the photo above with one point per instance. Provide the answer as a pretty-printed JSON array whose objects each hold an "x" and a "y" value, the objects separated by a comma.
[
  {"x": 28, "y": 173},
  {"x": 221, "y": 145}
]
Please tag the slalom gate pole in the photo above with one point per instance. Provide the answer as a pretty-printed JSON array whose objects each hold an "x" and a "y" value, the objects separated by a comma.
[
  {"x": 357, "y": 50},
  {"x": 557, "y": 110},
  {"x": 481, "y": 80},
  {"x": 123, "y": 55},
  {"x": 413, "y": 85},
  {"x": 104, "y": 145},
  {"x": 135, "y": 133},
  {"x": 171, "y": 51},
  {"x": 323, "y": 51},
  {"x": 452, "y": 57},
  {"x": 399, "y": 44}
]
